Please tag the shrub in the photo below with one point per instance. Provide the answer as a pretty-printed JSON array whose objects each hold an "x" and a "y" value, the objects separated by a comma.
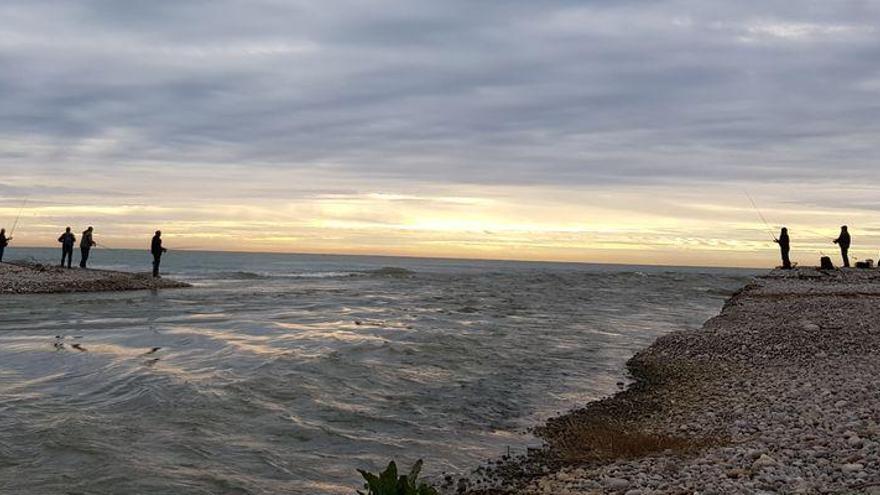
[{"x": 389, "y": 483}]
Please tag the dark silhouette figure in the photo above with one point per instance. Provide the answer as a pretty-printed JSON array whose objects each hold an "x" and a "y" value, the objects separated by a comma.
[
  {"x": 843, "y": 240},
  {"x": 785, "y": 247},
  {"x": 67, "y": 241},
  {"x": 156, "y": 250},
  {"x": 4, "y": 241},
  {"x": 85, "y": 246}
]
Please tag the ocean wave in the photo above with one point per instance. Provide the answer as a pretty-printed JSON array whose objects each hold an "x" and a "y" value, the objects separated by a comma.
[
  {"x": 245, "y": 275},
  {"x": 392, "y": 272},
  {"x": 241, "y": 275},
  {"x": 317, "y": 275}
]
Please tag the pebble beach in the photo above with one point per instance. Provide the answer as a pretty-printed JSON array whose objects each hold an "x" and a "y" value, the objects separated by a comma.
[
  {"x": 35, "y": 278},
  {"x": 779, "y": 393}
]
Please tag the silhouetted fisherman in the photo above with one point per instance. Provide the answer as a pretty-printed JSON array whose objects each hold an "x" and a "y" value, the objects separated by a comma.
[
  {"x": 843, "y": 240},
  {"x": 785, "y": 247},
  {"x": 85, "y": 246},
  {"x": 4, "y": 241},
  {"x": 156, "y": 249},
  {"x": 67, "y": 241}
]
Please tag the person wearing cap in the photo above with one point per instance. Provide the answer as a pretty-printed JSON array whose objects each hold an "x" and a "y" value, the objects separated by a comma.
[{"x": 85, "y": 246}]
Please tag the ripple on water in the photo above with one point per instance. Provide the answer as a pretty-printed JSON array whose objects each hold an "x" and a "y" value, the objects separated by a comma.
[{"x": 263, "y": 381}]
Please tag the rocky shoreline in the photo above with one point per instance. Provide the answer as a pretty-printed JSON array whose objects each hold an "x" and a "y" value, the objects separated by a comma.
[
  {"x": 35, "y": 278},
  {"x": 780, "y": 393}
]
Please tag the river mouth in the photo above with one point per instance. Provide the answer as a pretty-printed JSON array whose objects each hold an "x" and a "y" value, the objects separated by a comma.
[{"x": 283, "y": 374}]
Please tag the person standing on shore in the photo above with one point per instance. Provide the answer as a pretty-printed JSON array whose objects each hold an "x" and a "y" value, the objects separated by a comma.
[
  {"x": 843, "y": 240},
  {"x": 785, "y": 247},
  {"x": 85, "y": 246},
  {"x": 4, "y": 241},
  {"x": 67, "y": 241},
  {"x": 156, "y": 250}
]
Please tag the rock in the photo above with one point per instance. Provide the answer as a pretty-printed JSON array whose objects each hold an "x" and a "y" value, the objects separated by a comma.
[
  {"x": 852, "y": 468},
  {"x": 617, "y": 484},
  {"x": 763, "y": 462},
  {"x": 736, "y": 473},
  {"x": 855, "y": 442}
]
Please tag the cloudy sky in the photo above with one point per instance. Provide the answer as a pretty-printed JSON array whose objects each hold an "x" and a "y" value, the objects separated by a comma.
[{"x": 616, "y": 130}]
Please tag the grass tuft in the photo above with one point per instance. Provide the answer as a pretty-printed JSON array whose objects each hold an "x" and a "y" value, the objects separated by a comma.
[{"x": 578, "y": 442}]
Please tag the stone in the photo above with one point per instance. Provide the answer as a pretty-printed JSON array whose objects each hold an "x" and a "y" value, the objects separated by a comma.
[
  {"x": 736, "y": 473},
  {"x": 756, "y": 453},
  {"x": 763, "y": 461},
  {"x": 618, "y": 484}
]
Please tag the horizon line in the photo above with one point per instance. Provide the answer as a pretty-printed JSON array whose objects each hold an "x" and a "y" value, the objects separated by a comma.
[{"x": 442, "y": 258}]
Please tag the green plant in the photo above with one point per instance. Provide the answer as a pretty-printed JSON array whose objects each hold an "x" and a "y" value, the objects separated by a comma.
[{"x": 389, "y": 483}]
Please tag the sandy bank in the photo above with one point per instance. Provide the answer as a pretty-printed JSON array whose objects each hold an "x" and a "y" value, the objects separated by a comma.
[
  {"x": 780, "y": 393},
  {"x": 41, "y": 279}
]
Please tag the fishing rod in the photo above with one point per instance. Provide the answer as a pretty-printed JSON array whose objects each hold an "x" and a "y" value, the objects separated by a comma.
[
  {"x": 20, "y": 210},
  {"x": 766, "y": 223}
]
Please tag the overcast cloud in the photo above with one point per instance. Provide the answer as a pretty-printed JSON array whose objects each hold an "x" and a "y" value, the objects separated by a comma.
[
  {"x": 455, "y": 91},
  {"x": 412, "y": 95}
]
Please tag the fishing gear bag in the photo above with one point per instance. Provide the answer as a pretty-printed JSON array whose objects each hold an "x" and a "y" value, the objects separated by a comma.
[{"x": 825, "y": 263}]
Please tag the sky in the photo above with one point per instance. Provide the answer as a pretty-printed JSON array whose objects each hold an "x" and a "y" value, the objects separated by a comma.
[{"x": 597, "y": 131}]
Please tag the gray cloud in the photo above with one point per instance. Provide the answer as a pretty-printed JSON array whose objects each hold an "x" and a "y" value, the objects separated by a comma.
[{"x": 498, "y": 92}]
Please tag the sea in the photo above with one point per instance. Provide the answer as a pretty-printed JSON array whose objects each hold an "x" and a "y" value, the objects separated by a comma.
[{"x": 285, "y": 373}]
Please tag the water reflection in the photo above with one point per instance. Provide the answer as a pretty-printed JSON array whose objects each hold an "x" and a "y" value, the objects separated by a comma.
[{"x": 287, "y": 384}]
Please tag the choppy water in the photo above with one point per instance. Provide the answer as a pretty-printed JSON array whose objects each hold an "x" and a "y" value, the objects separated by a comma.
[{"x": 285, "y": 373}]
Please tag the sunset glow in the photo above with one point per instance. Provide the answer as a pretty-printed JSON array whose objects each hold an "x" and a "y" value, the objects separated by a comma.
[{"x": 553, "y": 132}]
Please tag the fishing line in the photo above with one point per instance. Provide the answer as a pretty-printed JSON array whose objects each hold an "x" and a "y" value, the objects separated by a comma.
[
  {"x": 20, "y": 210},
  {"x": 758, "y": 211}
]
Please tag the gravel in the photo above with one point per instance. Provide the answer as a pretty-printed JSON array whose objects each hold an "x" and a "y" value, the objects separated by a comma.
[
  {"x": 40, "y": 279},
  {"x": 786, "y": 380}
]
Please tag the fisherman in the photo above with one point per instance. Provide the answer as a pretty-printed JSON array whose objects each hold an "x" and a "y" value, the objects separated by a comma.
[
  {"x": 843, "y": 240},
  {"x": 67, "y": 241},
  {"x": 85, "y": 246},
  {"x": 785, "y": 247},
  {"x": 4, "y": 241},
  {"x": 156, "y": 250}
]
